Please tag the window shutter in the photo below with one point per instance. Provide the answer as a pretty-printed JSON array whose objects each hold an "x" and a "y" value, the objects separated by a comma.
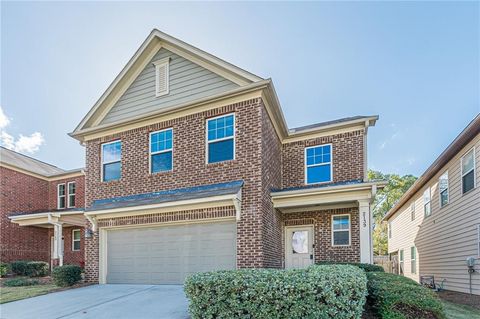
[{"x": 162, "y": 77}]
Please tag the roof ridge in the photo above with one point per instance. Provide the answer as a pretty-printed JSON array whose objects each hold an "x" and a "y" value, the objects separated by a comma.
[{"x": 29, "y": 157}]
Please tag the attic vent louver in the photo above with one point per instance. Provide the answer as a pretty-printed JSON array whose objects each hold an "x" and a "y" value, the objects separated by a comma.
[{"x": 161, "y": 76}]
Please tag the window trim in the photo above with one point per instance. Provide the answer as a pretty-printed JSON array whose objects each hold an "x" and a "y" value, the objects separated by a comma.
[
  {"x": 413, "y": 213},
  {"x": 165, "y": 62},
  {"x": 401, "y": 261},
  {"x": 429, "y": 202},
  {"x": 102, "y": 163},
  {"x": 440, "y": 192},
  {"x": 313, "y": 165},
  {"x": 68, "y": 194},
  {"x": 64, "y": 195},
  {"x": 150, "y": 153},
  {"x": 474, "y": 171},
  {"x": 234, "y": 137},
  {"x": 349, "y": 230},
  {"x": 79, "y": 240},
  {"x": 413, "y": 260}
]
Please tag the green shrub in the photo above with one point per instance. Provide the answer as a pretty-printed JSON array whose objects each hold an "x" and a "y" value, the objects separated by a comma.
[
  {"x": 397, "y": 297},
  {"x": 329, "y": 291},
  {"x": 37, "y": 269},
  {"x": 365, "y": 267},
  {"x": 19, "y": 267},
  {"x": 30, "y": 268},
  {"x": 67, "y": 275},
  {"x": 18, "y": 282},
  {"x": 3, "y": 269}
]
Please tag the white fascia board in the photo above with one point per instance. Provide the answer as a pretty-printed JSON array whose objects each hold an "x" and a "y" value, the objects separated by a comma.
[{"x": 327, "y": 190}]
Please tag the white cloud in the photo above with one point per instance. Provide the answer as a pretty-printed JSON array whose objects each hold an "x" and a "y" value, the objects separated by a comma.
[{"x": 23, "y": 144}]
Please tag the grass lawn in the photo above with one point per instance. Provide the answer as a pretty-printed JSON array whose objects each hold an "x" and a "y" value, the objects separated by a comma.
[
  {"x": 456, "y": 311},
  {"x": 8, "y": 294}
]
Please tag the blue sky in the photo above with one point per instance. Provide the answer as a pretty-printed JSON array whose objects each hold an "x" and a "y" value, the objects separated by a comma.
[{"x": 416, "y": 64}]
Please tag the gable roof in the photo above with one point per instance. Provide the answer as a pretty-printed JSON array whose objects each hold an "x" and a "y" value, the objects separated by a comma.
[
  {"x": 30, "y": 164},
  {"x": 472, "y": 130},
  {"x": 150, "y": 47}
]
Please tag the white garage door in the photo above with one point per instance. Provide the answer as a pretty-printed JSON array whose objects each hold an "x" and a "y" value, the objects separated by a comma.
[{"x": 167, "y": 254}]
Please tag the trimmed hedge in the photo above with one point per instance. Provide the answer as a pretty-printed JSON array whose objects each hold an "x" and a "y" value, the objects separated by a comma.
[
  {"x": 365, "y": 267},
  {"x": 327, "y": 291},
  {"x": 67, "y": 275},
  {"x": 397, "y": 297},
  {"x": 30, "y": 268},
  {"x": 3, "y": 269},
  {"x": 20, "y": 282}
]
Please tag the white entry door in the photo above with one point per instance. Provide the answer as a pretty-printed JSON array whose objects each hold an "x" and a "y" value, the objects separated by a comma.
[{"x": 299, "y": 246}]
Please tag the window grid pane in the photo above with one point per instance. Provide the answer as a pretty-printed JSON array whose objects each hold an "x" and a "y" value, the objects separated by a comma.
[
  {"x": 161, "y": 141},
  {"x": 341, "y": 230},
  {"x": 318, "y": 162},
  {"x": 112, "y": 152},
  {"x": 220, "y": 128}
]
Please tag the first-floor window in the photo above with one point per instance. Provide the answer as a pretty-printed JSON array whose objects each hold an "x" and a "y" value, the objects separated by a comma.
[
  {"x": 443, "y": 189},
  {"x": 318, "y": 164},
  {"x": 76, "y": 238},
  {"x": 71, "y": 194},
  {"x": 221, "y": 139},
  {"x": 61, "y": 196},
  {"x": 111, "y": 161},
  {"x": 401, "y": 261},
  {"x": 413, "y": 260},
  {"x": 468, "y": 171},
  {"x": 340, "y": 230},
  {"x": 161, "y": 151},
  {"x": 427, "y": 209}
]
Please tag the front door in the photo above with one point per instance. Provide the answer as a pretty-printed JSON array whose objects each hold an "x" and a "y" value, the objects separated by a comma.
[{"x": 299, "y": 246}]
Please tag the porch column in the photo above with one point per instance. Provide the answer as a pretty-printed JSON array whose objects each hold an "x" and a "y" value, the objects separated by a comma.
[
  {"x": 366, "y": 243},
  {"x": 57, "y": 243}
]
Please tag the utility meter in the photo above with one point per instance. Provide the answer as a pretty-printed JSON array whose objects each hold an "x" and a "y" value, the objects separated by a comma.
[{"x": 471, "y": 264}]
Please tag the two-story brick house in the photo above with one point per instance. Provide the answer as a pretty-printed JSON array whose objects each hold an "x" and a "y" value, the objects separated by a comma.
[
  {"x": 190, "y": 167},
  {"x": 41, "y": 211}
]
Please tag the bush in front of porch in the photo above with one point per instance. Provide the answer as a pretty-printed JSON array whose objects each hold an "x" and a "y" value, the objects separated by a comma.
[{"x": 320, "y": 291}]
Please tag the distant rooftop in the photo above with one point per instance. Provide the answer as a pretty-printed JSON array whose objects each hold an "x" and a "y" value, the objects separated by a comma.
[
  {"x": 30, "y": 164},
  {"x": 333, "y": 122}
]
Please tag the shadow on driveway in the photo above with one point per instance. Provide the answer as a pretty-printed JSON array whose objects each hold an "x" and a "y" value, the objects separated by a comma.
[{"x": 103, "y": 301}]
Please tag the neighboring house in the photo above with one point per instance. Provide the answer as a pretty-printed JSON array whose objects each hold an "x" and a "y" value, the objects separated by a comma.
[
  {"x": 435, "y": 226},
  {"x": 41, "y": 209},
  {"x": 190, "y": 167}
]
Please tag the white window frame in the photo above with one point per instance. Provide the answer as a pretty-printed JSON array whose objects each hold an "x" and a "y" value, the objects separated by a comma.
[
  {"x": 413, "y": 213},
  {"x": 159, "y": 64},
  {"x": 413, "y": 260},
  {"x": 220, "y": 139},
  {"x": 61, "y": 196},
  {"x": 313, "y": 165},
  {"x": 474, "y": 171},
  {"x": 338, "y": 230},
  {"x": 103, "y": 163},
  {"x": 401, "y": 261},
  {"x": 429, "y": 202},
  {"x": 79, "y": 240},
  {"x": 69, "y": 194},
  {"x": 440, "y": 191},
  {"x": 158, "y": 152}
]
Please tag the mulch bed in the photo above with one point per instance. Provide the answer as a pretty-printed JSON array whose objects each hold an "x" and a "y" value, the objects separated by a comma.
[
  {"x": 460, "y": 298},
  {"x": 368, "y": 312}
]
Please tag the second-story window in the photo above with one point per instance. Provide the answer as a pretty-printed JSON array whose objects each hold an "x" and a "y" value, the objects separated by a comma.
[
  {"x": 221, "y": 138},
  {"x": 161, "y": 151},
  {"x": 61, "y": 196},
  {"x": 468, "y": 171},
  {"x": 111, "y": 161},
  {"x": 71, "y": 194},
  {"x": 427, "y": 209},
  {"x": 318, "y": 164},
  {"x": 443, "y": 189},
  {"x": 412, "y": 211}
]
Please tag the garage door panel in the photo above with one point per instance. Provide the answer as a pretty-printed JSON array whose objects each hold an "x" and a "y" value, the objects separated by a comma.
[{"x": 166, "y": 255}]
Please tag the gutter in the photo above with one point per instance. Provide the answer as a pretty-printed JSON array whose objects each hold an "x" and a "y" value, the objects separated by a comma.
[{"x": 332, "y": 189}]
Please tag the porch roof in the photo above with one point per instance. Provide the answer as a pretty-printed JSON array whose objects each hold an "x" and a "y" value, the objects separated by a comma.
[
  {"x": 348, "y": 193},
  {"x": 72, "y": 217}
]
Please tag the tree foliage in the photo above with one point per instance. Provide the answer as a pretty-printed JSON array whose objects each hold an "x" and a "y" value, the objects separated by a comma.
[{"x": 384, "y": 201}]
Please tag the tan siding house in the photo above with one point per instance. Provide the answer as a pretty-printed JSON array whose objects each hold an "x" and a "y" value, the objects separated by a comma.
[{"x": 438, "y": 219}]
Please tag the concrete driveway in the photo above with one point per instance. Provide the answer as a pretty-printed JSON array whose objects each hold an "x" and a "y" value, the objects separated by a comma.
[{"x": 103, "y": 301}]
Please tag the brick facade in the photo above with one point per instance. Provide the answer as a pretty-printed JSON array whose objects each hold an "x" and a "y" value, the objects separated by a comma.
[
  {"x": 347, "y": 159},
  {"x": 322, "y": 223},
  {"x": 26, "y": 194}
]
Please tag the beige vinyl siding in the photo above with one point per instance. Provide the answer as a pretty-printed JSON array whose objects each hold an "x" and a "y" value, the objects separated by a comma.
[
  {"x": 446, "y": 238},
  {"x": 187, "y": 82}
]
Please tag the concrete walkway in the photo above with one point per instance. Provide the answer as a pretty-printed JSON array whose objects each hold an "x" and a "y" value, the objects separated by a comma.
[{"x": 103, "y": 301}]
